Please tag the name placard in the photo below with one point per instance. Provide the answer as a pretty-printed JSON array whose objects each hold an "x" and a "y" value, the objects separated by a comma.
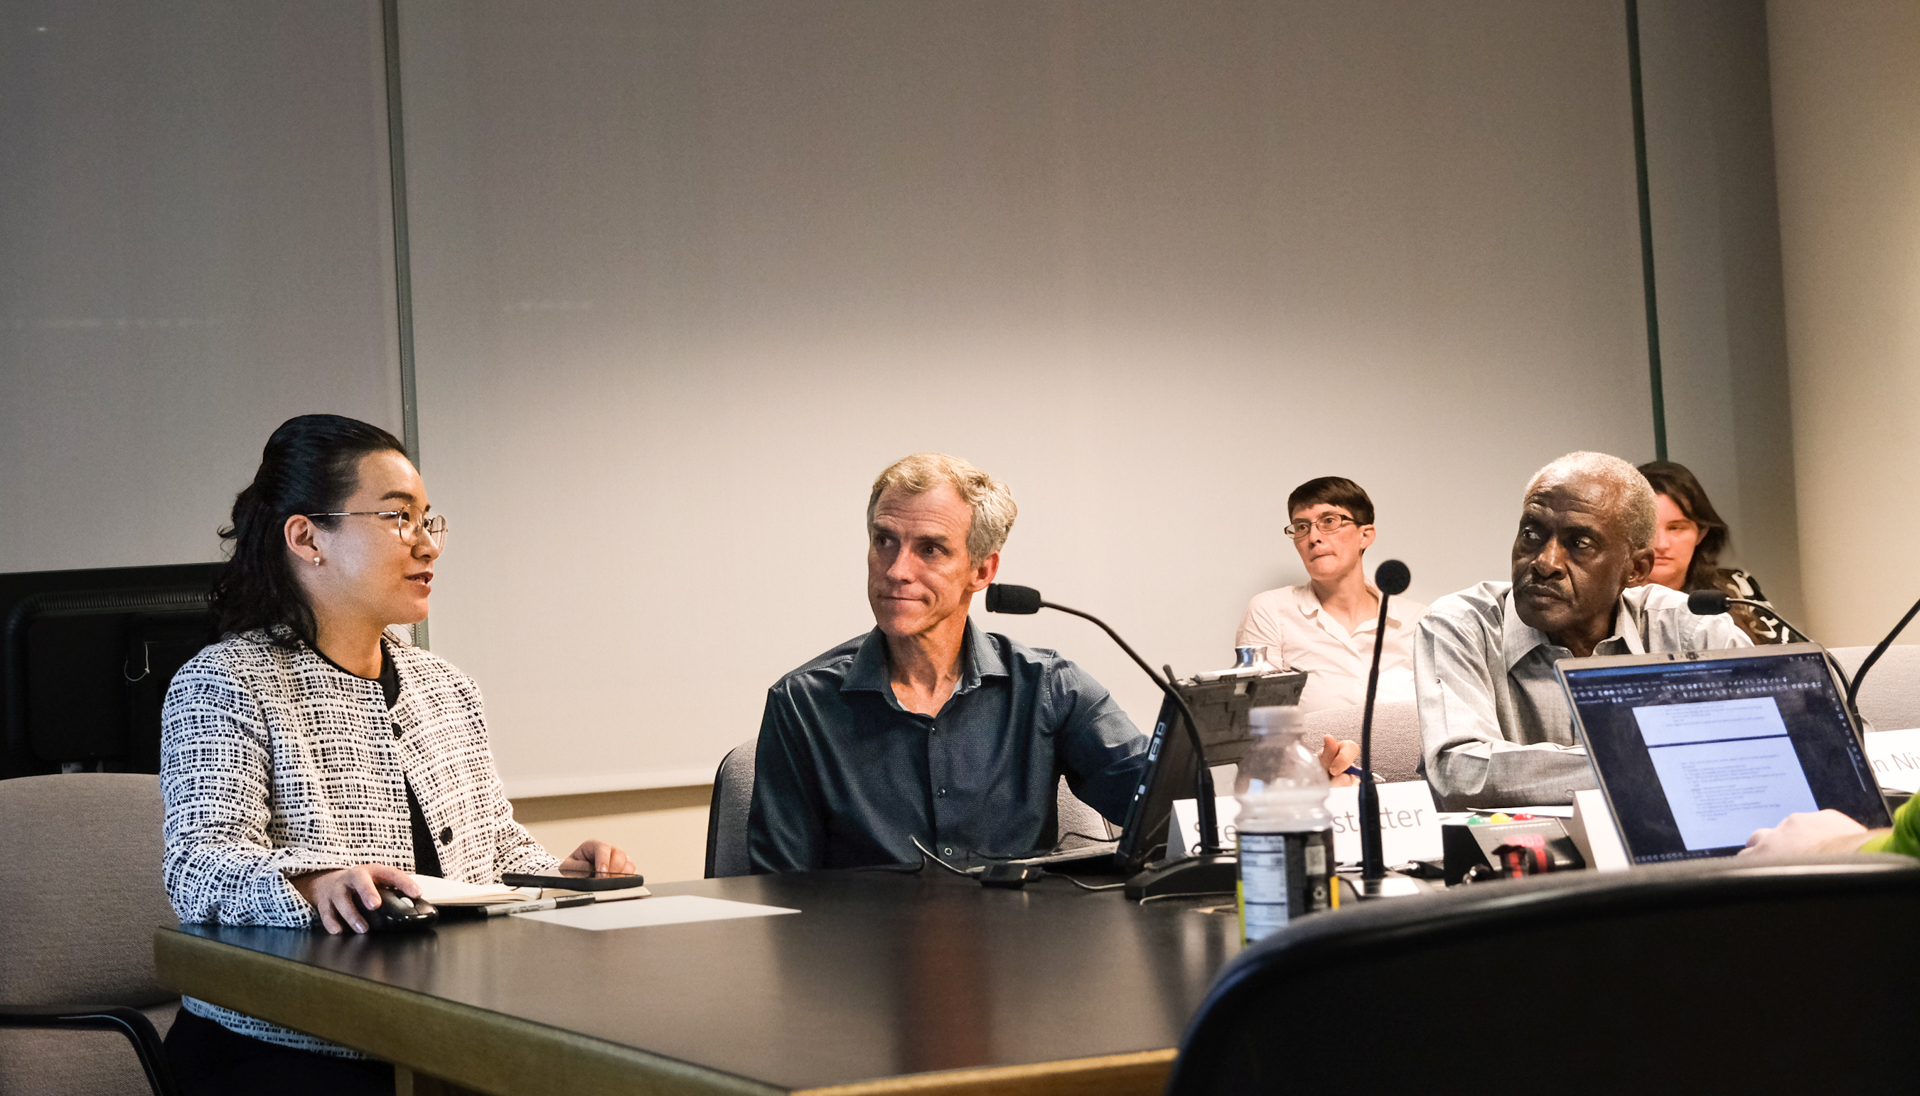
[
  {"x": 1895, "y": 756},
  {"x": 1409, "y": 825}
]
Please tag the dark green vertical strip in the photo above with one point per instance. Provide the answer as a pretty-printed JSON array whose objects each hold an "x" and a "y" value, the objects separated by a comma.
[
  {"x": 402, "y": 256},
  {"x": 1646, "y": 234}
]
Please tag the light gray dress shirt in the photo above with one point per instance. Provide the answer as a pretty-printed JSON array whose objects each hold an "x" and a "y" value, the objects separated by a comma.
[{"x": 1495, "y": 729}]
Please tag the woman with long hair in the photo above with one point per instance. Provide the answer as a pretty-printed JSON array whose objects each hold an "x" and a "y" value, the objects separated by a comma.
[
  {"x": 1689, "y": 536},
  {"x": 314, "y": 755}
]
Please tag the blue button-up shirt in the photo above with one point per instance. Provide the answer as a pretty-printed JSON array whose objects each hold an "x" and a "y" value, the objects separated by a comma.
[{"x": 844, "y": 776}]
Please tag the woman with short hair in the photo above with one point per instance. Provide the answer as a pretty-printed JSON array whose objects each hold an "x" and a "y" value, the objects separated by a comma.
[
  {"x": 1688, "y": 538},
  {"x": 1326, "y": 625},
  {"x": 314, "y": 755}
]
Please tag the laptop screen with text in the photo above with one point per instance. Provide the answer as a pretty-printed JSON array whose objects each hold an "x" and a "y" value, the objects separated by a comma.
[{"x": 1695, "y": 752}]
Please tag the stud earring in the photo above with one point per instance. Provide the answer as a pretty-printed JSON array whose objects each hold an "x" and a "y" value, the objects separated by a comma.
[{"x": 316, "y": 561}]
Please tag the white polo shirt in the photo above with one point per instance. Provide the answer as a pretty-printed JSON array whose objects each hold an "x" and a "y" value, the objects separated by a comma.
[{"x": 1297, "y": 634}]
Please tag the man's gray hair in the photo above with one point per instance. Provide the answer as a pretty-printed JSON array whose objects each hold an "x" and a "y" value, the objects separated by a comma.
[
  {"x": 1629, "y": 491},
  {"x": 992, "y": 503}
]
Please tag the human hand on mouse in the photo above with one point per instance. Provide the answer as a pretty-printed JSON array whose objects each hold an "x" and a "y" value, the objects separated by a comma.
[
  {"x": 332, "y": 893},
  {"x": 598, "y": 856}
]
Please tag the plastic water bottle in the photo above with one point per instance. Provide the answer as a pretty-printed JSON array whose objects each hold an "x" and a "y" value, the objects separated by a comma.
[{"x": 1285, "y": 832}]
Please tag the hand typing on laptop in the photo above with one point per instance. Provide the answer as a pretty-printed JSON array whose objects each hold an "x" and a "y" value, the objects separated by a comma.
[{"x": 1810, "y": 832}]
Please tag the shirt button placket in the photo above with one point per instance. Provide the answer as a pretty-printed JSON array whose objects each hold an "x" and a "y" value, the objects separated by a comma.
[{"x": 937, "y": 773}]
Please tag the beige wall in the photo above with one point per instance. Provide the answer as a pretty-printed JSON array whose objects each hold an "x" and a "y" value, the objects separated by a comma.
[
  {"x": 663, "y": 829},
  {"x": 1846, "y": 107},
  {"x": 1716, "y": 246}
]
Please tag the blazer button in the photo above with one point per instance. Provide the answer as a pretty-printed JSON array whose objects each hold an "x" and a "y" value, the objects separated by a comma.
[
  {"x": 446, "y": 835},
  {"x": 396, "y": 730}
]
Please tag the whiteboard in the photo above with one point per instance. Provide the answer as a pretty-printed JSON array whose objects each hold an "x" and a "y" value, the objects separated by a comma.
[
  {"x": 195, "y": 245},
  {"x": 687, "y": 276}
]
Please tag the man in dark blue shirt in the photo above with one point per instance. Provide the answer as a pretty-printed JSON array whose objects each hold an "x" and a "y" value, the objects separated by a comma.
[{"x": 927, "y": 727}]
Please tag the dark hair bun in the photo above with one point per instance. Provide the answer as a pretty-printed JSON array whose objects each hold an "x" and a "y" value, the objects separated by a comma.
[{"x": 310, "y": 466}]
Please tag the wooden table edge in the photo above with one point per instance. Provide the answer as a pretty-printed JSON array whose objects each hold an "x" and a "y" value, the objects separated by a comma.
[
  {"x": 471, "y": 1047},
  {"x": 1141, "y": 1072},
  {"x": 492, "y": 1052}
]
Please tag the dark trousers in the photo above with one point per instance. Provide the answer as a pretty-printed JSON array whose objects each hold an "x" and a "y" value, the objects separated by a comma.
[{"x": 210, "y": 1060}]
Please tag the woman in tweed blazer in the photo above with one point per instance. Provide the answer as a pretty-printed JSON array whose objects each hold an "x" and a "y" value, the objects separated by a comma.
[{"x": 313, "y": 753}]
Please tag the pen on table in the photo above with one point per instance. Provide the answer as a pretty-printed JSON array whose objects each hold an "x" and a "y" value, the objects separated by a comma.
[{"x": 542, "y": 904}]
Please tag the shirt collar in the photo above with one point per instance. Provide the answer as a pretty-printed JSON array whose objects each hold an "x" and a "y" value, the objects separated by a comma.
[
  {"x": 1309, "y": 604},
  {"x": 1518, "y": 638},
  {"x": 386, "y": 661},
  {"x": 869, "y": 672}
]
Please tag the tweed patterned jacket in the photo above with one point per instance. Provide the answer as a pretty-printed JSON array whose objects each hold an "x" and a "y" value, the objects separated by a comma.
[{"x": 273, "y": 762}]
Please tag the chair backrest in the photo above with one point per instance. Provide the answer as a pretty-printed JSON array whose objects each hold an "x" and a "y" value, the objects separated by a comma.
[
  {"x": 1079, "y": 823},
  {"x": 733, "y": 803},
  {"x": 1711, "y": 976},
  {"x": 1396, "y": 735},
  {"x": 727, "y": 814},
  {"x": 80, "y": 889},
  {"x": 1890, "y": 696}
]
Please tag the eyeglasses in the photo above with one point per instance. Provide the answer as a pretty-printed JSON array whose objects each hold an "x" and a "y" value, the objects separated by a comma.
[
  {"x": 1326, "y": 523},
  {"x": 404, "y": 525}
]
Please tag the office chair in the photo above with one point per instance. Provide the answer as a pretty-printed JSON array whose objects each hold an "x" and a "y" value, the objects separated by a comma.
[
  {"x": 1703, "y": 976},
  {"x": 80, "y": 897},
  {"x": 1890, "y": 696},
  {"x": 1396, "y": 735},
  {"x": 727, "y": 814},
  {"x": 733, "y": 801}
]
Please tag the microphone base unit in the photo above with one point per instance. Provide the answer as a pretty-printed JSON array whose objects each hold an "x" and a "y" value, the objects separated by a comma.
[{"x": 1193, "y": 875}]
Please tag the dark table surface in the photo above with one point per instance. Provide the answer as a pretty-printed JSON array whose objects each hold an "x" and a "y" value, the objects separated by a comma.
[{"x": 881, "y": 974}]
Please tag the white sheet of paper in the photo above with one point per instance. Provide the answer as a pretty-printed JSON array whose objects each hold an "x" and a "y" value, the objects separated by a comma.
[
  {"x": 1895, "y": 756},
  {"x": 678, "y": 909},
  {"x": 451, "y": 891},
  {"x": 1409, "y": 826}
]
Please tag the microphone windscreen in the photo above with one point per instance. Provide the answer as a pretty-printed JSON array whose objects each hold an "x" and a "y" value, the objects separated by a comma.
[
  {"x": 1002, "y": 598},
  {"x": 1706, "y": 602},
  {"x": 1393, "y": 577}
]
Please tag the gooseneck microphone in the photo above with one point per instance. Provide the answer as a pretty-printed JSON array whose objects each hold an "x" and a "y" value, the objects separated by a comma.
[
  {"x": 1025, "y": 600},
  {"x": 1392, "y": 578},
  {"x": 1853, "y": 689},
  {"x": 1713, "y": 602}
]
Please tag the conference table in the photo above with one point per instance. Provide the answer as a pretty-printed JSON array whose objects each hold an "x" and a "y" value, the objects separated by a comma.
[{"x": 884, "y": 982}]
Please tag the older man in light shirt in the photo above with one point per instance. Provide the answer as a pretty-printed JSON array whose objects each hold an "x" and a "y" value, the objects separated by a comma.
[{"x": 1494, "y": 723}]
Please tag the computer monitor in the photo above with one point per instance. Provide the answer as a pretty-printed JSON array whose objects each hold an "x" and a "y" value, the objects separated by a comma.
[
  {"x": 1221, "y": 709},
  {"x": 1696, "y": 750}
]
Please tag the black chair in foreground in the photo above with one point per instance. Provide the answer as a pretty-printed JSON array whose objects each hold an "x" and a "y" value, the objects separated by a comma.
[{"x": 1704, "y": 976}]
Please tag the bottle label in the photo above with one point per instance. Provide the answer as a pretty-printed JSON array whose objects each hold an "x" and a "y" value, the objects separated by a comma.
[{"x": 1283, "y": 876}]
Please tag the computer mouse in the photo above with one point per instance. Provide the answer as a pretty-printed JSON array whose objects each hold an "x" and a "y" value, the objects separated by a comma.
[
  {"x": 1010, "y": 875},
  {"x": 398, "y": 913}
]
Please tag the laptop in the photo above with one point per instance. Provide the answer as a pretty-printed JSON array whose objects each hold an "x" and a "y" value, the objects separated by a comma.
[{"x": 1695, "y": 750}]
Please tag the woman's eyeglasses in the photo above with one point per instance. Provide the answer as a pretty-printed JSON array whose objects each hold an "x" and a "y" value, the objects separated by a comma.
[
  {"x": 405, "y": 526},
  {"x": 1326, "y": 523}
]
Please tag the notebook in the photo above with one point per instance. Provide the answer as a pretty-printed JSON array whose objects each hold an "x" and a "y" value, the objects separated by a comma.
[{"x": 1695, "y": 750}]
